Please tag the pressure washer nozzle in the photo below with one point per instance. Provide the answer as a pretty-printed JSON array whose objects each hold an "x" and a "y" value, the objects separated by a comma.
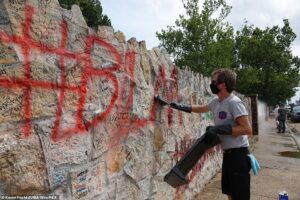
[{"x": 161, "y": 101}]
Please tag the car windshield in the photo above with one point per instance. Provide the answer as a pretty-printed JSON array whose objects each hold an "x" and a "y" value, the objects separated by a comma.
[{"x": 296, "y": 109}]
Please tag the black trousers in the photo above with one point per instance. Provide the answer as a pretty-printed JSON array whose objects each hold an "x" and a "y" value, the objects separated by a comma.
[
  {"x": 281, "y": 126},
  {"x": 236, "y": 173}
]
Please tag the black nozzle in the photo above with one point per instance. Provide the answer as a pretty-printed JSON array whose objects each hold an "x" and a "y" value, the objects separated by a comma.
[
  {"x": 176, "y": 177},
  {"x": 161, "y": 101}
]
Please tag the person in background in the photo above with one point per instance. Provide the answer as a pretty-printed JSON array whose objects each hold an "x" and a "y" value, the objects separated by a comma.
[
  {"x": 281, "y": 117},
  {"x": 276, "y": 116},
  {"x": 232, "y": 127}
]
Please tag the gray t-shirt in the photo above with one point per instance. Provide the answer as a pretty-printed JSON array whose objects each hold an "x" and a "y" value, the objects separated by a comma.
[{"x": 226, "y": 112}]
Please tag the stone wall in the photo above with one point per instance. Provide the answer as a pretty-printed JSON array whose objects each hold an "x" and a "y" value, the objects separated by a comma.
[{"x": 77, "y": 111}]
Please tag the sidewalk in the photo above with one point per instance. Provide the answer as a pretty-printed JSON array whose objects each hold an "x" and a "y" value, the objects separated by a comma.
[{"x": 280, "y": 168}]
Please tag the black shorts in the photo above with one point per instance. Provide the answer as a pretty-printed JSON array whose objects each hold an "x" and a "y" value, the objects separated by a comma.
[{"x": 236, "y": 173}]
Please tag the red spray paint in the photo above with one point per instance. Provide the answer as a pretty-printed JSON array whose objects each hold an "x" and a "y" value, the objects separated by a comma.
[{"x": 27, "y": 84}]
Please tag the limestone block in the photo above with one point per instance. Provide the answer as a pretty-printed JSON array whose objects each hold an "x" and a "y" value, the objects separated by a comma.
[
  {"x": 170, "y": 141},
  {"x": 11, "y": 105},
  {"x": 12, "y": 71},
  {"x": 77, "y": 16},
  {"x": 201, "y": 89},
  {"x": 103, "y": 55},
  {"x": 43, "y": 10},
  {"x": 117, "y": 124},
  {"x": 77, "y": 38},
  {"x": 7, "y": 55},
  {"x": 179, "y": 128},
  {"x": 139, "y": 78},
  {"x": 44, "y": 72},
  {"x": 171, "y": 118},
  {"x": 106, "y": 33},
  {"x": 71, "y": 148},
  {"x": 15, "y": 11},
  {"x": 159, "y": 137},
  {"x": 120, "y": 37},
  {"x": 69, "y": 102},
  {"x": 126, "y": 189},
  {"x": 73, "y": 72},
  {"x": 145, "y": 65},
  {"x": 22, "y": 163},
  {"x": 154, "y": 63},
  {"x": 145, "y": 187},
  {"x": 43, "y": 103},
  {"x": 142, "y": 102},
  {"x": 140, "y": 159},
  {"x": 46, "y": 20},
  {"x": 206, "y": 84},
  {"x": 133, "y": 63},
  {"x": 100, "y": 139},
  {"x": 133, "y": 45},
  {"x": 88, "y": 181},
  {"x": 4, "y": 19},
  {"x": 100, "y": 96},
  {"x": 109, "y": 193},
  {"x": 164, "y": 163},
  {"x": 58, "y": 179},
  {"x": 143, "y": 46},
  {"x": 163, "y": 191},
  {"x": 167, "y": 67},
  {"x": 115, "y": 160},
  {"x": 185, "y": 84},
  {"x": 43, "y": 3},
  {"x": 167, "y": 57},
  {"x": 119, "y": 43}
]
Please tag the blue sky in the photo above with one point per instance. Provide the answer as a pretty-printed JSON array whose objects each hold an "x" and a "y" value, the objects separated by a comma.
[{"x": 143, "y": 18}]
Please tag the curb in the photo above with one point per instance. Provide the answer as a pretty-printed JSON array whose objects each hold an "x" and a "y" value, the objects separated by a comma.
[
  {"x": 297, "y": 143},
  {"x": 291, "y": 133}
]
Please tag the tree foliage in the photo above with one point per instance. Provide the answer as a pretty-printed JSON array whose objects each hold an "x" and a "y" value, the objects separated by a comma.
[
  {"x": 265, "y": 63},
  {"x": 262, "y": 58},
  {"x": 91, "y": 10},
  {"x": 200, "y": 40}
]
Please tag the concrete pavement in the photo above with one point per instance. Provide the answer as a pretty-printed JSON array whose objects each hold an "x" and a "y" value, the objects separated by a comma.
[{"x": 280, "y": 167}]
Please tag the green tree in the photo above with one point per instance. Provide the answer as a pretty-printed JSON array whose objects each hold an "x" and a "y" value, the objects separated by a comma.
[
  {"x": 265, "y": 64},
  {"x": 91, "y": 10},
  {"x": 198, "y": 39}
]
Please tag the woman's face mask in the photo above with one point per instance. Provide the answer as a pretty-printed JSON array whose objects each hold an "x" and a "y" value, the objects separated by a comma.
[{"x": 214, "y": 87}]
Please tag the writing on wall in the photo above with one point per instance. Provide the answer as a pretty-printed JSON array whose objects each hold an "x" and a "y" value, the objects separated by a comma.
[
  {"x": 88, "y": 98},
  {"x": 123, "y": 88}
]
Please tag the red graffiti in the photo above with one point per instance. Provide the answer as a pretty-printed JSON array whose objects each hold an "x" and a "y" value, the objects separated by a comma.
[
  {"x": 27, "y": 44},
  {"x": 171, "y": 90}
]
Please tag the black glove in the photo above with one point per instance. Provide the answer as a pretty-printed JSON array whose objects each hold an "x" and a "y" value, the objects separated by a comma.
[
  {"x": 220, "y": 129},
  {"x": 185, "y": 108},
  {"x": 211, "y": 139}
]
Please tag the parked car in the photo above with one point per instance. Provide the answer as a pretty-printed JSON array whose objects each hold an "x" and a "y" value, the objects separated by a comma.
[
  {"x": 288, "y": 111},
  {"x": 295, "y": 114}
]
